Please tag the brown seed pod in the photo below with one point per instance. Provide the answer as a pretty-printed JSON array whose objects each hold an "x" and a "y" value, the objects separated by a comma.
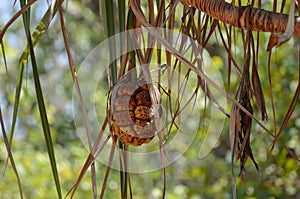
[{"x": 132, "y": 112}]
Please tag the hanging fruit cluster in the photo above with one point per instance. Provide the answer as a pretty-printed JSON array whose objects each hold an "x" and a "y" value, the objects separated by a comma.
[{"x": 133, "y": 112}]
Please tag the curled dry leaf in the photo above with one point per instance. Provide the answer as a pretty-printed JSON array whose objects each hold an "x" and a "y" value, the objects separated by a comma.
[
  {"x": 240, "y": 127},
  {"x": 234, "y": 127},
  {"x": 258, "y": 93},
  {"x": 273, "y": 40}
]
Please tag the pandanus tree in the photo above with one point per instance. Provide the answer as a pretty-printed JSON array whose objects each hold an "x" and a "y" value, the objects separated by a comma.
[{"x": 156, "y": 84}]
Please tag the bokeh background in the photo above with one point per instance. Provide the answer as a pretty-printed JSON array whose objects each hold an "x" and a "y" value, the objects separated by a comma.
[{"x": 189, "y": 177}]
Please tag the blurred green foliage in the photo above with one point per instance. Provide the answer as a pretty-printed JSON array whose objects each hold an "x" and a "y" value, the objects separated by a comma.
[{"x": 189, "y": 177}]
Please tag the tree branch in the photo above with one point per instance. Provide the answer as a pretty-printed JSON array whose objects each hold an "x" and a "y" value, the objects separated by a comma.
[{"x": 244, "y": 17}]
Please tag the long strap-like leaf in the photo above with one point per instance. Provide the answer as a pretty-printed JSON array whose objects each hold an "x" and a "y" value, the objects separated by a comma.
[{"x": 40, "y": 100}]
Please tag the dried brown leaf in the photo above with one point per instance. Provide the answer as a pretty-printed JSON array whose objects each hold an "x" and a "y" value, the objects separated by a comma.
[
  {"x": 258, "y": 93},
  {"x": 273, "y": 40}
]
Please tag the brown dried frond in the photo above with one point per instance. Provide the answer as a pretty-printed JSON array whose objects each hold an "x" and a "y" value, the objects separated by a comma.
[{"x": 241, "y": 122}]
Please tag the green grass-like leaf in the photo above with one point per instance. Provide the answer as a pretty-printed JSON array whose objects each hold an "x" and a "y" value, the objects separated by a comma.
[
  {"x": 109, "y": 9},
  {"x": 40, "y": 100},
  {"x": 36, "y": 36},
  {"x": 4, "y": 56}
]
